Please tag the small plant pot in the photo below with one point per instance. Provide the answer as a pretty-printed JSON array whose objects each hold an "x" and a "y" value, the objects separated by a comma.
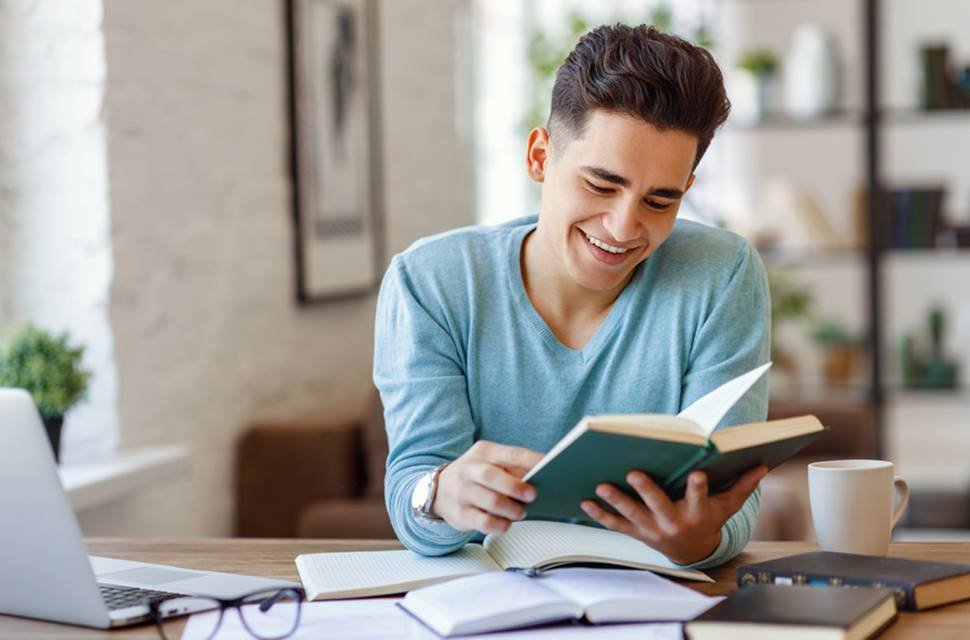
[
  {"x": 54, "y": 426},
  {"x": 839, "y": 363}
]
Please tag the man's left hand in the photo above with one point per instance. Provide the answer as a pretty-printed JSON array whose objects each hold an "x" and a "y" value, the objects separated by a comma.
[{"x": 686, "y": 531}]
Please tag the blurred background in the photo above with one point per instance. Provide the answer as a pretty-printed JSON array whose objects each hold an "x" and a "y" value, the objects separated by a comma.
[{"x": 198, "y": 199}]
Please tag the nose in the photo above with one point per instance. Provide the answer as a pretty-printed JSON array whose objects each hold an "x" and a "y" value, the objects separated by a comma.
[{"x": 623, "y": 221}]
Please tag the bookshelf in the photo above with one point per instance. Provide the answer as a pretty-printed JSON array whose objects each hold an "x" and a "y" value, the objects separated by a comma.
[{"x": 874, "y": 125}]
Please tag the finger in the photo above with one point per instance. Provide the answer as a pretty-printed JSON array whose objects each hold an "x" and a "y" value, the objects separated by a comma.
[
  {"x": 696, "y": 489},
  {"x": 487, "y": 522},
  {"x": 498, "y": 479},
  {"x": 652, "y": 495},
  {"x": 632, "y": 510},
  {"x": 607, "y": 519},
  {"x": 742, "y": 488},
  {"x": 492, "y": 502},
  {"x": 518, "y": 458}
]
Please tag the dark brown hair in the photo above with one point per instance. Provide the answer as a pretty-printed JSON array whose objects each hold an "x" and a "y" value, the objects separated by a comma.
[{"x": 641, "y": 72}]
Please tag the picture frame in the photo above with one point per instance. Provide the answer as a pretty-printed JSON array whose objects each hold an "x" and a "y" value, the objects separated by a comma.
[{"x": 334, "y": 148}]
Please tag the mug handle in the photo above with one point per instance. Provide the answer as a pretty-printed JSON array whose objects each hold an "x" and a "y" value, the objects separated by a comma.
[{"x": 903, "y": 490}]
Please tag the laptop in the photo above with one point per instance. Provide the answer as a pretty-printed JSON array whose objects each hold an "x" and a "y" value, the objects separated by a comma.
[{"x": 45, "y": 569}]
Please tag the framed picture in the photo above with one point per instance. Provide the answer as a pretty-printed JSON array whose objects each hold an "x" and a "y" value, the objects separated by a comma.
[{"x": 335, "y": 148}]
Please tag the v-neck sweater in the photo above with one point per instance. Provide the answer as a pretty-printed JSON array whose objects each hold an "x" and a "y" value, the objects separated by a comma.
[{"x": 461, "y": 354}]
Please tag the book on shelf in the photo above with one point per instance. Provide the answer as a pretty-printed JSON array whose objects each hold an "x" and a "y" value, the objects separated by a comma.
[
  {"x": 604, "y": 448},
  {"x": 510, "y": 600},
  {"x": 915, "y": 217},
  {"x": 760, "y": 611},
  {"x": 918, "y": 584},
  {"x": 526, "y": 545}
]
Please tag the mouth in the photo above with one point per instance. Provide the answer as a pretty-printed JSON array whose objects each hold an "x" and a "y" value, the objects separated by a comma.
[{"x": 605, "y": 252}]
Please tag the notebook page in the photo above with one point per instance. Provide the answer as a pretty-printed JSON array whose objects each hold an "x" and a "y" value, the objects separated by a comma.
[
  {"x": 708, "y": 410},
  {"x": 502, "y": 600},
  {"x": 382, "y": 618},
  {"x": 537, "y": 543},
  {"x": 365, "y": 573},
  {"x": 621, "y": 595}
]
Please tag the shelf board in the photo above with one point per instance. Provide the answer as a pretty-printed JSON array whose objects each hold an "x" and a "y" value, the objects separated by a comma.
[
  {"x": 899, "y": 392},
  {"x": 815, "y": 256},
  {"x": 930, "y": 253},
  {"x": 779, "y": 121},
  {"x": 911, "y": 115}
]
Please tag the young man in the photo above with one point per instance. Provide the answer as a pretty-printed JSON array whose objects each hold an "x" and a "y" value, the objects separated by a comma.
[{"x": 492, "y": 342}]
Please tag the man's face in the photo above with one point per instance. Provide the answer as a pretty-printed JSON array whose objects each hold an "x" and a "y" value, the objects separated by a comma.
[{"x": 610, "y": 198}]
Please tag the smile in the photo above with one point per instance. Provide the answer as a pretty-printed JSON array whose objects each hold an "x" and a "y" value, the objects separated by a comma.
[{"x": 596, "y": 242}]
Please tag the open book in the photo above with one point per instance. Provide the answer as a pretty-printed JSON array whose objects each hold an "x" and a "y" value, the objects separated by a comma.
[
  {"x": 526, "y": 545},
  {"x": 605, "y": 448},
  {"x": 507, "y": 600}
]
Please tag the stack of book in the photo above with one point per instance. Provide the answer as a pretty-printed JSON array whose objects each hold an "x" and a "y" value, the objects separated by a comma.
[{"x": 914, "y": 217}]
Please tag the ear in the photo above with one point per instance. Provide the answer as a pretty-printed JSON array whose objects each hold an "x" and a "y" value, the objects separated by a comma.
[
  {"x": 537, "y": 154},
  {"x": 690, "y": 182}
]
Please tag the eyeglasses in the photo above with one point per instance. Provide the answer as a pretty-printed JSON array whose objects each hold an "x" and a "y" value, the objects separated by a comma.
[{"x": 268, "y": 615}]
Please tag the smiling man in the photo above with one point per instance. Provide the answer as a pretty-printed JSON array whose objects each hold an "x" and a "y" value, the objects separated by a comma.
[{"x": 492, "y": 342}]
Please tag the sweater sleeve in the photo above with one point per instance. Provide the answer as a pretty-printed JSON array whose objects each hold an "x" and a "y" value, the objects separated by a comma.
[
  {"x": 732, "y": 339},
  {"x": 419, "y": 374}
]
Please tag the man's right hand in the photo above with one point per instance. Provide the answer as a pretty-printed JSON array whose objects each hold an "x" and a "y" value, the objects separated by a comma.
[{"x": 483, "y": 489}]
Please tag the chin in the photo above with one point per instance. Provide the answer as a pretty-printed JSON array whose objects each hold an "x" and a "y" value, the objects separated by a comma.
[{"x": 599, "y": 282}]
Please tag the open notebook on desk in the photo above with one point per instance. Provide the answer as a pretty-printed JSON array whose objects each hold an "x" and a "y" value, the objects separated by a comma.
[
  {"x": 537, "y": 545},
  {"x": 509, "y": 600}
]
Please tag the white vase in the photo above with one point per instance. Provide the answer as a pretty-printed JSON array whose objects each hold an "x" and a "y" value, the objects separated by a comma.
[
  {"x": 812, "y": 74},
  {"x": 750, "y": 95}
]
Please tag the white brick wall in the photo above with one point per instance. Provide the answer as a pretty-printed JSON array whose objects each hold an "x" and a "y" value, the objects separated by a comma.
[{"x": 207, "y": 336}]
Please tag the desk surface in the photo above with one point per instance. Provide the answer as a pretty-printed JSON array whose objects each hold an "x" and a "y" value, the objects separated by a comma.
[{"x": 274, "y": 558}]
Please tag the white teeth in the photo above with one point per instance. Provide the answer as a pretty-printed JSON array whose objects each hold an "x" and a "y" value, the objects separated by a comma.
[{"x": 602, "y": 245}]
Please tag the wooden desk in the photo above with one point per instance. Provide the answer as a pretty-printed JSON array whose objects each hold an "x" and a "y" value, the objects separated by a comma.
[{"x": 274, "y": 558}]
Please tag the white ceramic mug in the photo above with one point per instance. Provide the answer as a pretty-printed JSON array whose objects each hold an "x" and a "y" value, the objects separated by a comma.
[{"x": 852, "y": 504}]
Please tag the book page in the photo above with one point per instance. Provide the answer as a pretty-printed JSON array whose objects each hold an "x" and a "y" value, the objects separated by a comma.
[
  {"x": 708, "y": 410},
  {"x": 542, "y": 544},
  {"x": 368, "y": 573},
  {"x": 503, "y": 600},
  {"x": 622, "y": 595}
]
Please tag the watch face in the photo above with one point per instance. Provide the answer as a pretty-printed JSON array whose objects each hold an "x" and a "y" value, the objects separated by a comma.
[{"x": 420, "y": 495}]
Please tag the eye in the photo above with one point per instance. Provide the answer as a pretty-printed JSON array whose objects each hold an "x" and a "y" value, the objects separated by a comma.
[
  {"x": 597, "y": 188},
  {"x": 659, "y": 206}
]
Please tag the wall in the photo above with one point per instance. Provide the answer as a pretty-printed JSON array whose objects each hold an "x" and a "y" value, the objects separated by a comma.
[
  {"x": 55, "y": 255},
  {"x": 207, "y": 336}
]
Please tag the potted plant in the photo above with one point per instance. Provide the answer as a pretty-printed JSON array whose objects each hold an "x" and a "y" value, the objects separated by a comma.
[
  {"x": 50, "y": 369},
  {"x": 752, "y": 84},
  {"x": 841, "y": 352},
  {"x": 790, "y": 301}
]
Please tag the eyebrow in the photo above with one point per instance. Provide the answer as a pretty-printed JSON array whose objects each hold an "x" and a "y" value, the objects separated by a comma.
[{"x": 609, "y": 176}]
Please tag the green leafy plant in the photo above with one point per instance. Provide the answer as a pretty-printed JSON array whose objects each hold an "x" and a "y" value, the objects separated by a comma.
[
  {"x": 46, "y": 366},
  {"x": 831, "y": 333},
  {"x": 761, "y": 61}
]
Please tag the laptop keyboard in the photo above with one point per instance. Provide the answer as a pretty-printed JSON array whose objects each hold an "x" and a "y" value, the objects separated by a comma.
[{"x": 121, "y": 597}]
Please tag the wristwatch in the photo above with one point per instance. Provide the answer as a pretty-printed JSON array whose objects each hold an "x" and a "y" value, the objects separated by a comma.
[{"x": 422, "y": 498}]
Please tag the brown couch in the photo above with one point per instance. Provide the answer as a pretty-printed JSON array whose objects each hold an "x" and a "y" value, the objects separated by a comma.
[{"x": 319, "y": 479}]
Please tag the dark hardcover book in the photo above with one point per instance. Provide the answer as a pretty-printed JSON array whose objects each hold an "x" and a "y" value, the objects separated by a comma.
[
  {"x": 768, "y": 611},
  {"x": 918, "y": 584},
  {"x": 606, "y": 448}
]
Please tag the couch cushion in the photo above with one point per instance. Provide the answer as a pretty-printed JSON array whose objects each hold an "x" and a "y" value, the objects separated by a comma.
[
  {"x": 375, "y": 447},
  {"x": 364, "y": 518}
]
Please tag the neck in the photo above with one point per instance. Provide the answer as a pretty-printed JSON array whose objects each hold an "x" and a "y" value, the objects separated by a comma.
[{"x": 556, "y": 296}]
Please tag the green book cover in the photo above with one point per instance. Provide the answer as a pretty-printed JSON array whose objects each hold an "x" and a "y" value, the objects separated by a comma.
[{"x": 605, "y": 448}]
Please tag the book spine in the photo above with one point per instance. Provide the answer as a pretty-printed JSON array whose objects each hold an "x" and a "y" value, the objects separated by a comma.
[{"x": 905, "y": 598}]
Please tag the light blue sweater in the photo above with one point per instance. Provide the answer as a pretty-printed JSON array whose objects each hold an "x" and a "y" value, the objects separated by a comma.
[{"x": 462, "y": 355}]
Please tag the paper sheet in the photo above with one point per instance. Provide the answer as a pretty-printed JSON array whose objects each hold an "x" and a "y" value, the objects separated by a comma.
[
  {"x": 708, "y": 410},
  {"x": 363, "y": 573},
  {"x": 382, "y": 618}
]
